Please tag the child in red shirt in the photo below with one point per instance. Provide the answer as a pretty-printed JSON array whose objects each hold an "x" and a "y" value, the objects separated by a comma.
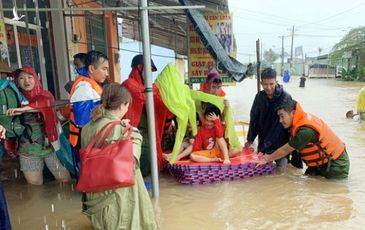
[{"x": 209, "y": 144}]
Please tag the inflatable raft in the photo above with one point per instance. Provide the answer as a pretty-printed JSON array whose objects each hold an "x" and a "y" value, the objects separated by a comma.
[{"x": 242, "y": 167}]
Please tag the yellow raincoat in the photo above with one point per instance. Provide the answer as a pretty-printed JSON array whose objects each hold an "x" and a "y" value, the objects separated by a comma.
[
  {"x": 181, "y": 100},
  {"x": 360, "y": 103}
]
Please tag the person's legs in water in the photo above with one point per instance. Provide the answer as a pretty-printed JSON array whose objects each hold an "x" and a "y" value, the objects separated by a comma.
[
  {"x": 145, "y": 155},
  {"x": 296, "y": 160},
  {"x": 339, "y": 169},
  {"x": 56, "y": 168},
  {"x": 313, "y": 171},
  {"x": 32, "y": 168},
  {"x": 282, "y": 163},
  {"x": 4, "y": 215}
]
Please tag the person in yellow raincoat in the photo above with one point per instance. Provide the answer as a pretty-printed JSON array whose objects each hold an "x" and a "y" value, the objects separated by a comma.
[{"x": 360, "y": 103}]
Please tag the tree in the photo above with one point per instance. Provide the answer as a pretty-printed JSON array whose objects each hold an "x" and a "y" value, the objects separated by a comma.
[
  {"x": 351, "y": 49},
  {"x": 352, "y": 43},
  {"x": 270, "y": 56}
]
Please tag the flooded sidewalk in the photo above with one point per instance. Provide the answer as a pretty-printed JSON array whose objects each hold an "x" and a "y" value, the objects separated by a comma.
[{"x": 285, "y": 200}]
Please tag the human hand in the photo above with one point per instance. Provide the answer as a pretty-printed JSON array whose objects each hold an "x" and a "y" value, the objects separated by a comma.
[
  {"x": 247, "y": 145},
  {"x": 226, "y": 161},
  {"x": 226, "y": 103},
  {"x": 14, "y": 111},
  {"x": 260, "y": 154},
  {"x": 212, "y": 117},
  {"x": 263, "y": 159},
  {"x": 125, "y": 122},
  {"x": 2, "y": 132}
]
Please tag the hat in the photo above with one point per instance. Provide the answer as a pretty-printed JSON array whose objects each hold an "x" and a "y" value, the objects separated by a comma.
[{"x": 138, "y": 59}]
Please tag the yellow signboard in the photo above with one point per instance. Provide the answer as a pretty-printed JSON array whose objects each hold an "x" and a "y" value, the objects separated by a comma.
[
  {"x": 200, "y": 61},
  {"x": 4, "y": 54}
]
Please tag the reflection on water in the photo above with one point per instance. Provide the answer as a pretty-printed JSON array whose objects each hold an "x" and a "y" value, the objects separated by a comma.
[{"x": 287, "y": 200}]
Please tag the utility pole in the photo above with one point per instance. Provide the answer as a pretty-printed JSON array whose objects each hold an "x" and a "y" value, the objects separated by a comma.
[
  {"x": 291, "y": 49},
  {"x": 282, "y": 56},
  {"x": 261, "y": 50},
  {"x": 303, "y": 61},
  {"x": 258, "y": 61}
]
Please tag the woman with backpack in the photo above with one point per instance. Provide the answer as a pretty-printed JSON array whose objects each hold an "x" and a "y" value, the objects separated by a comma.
[{"x": 39, "y": 142}]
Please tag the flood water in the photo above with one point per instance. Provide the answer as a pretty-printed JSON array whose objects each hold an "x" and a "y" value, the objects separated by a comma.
[{"x": 286, "y": 200}]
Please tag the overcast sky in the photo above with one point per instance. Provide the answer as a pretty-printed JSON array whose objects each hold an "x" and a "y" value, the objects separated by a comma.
[{"x": 318, "y": 24}]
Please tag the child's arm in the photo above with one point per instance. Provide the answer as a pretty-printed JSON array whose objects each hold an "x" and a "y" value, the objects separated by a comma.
[
  {"x": 218, "y": 128},
  {"x": 198, "y": 142},
  {"x": 220, "y": 140}
]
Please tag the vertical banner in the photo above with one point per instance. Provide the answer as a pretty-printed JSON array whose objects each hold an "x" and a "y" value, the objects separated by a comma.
[
  {"x": 298, "y": 54},
  {"x": 4, "y": 54},
  {"x": 200, "y": 61}
]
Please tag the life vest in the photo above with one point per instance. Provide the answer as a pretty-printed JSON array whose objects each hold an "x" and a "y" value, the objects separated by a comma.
[
  {"x": 329, "y": 146},
  {"x": 74, "y": 130}
]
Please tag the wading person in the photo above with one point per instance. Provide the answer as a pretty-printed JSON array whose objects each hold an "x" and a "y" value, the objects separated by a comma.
[
  {"x": 302, "y": 81},
  {"x": 39, "y": 143},
  {"x": 264, "y": 121},
  {"x": 79, "y": 63},
  {"x": 121, "y": 208},
  {"x": 4, "y": 215},
  {"x": 137, "y": 112},
  {"x": 321, "y": 149},
  {"x": 85, "y": 96}
]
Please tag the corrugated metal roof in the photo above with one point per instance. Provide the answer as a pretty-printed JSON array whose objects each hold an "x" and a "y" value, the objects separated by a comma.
[{"x": 168, "y": 28}]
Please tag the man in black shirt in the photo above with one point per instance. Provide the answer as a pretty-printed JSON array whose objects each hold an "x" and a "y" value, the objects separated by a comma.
[{"x": 264, "y": 121}]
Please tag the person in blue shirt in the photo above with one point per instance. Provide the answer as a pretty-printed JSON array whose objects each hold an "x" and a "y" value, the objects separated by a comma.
[{"x": 79, "y": 63}]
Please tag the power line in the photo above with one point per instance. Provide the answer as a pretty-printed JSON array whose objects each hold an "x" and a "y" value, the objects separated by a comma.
[
  {"x": 287, "y": 21},
  {"x": 336, "y": 15},
  {"x": 265, "y": 21},
  {"x": 318, "y": 35},
  {"x": 156, "y": 55}
]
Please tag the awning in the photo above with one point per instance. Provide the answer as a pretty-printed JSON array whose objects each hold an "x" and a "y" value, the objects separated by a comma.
[{"x": 227, "y": 64}]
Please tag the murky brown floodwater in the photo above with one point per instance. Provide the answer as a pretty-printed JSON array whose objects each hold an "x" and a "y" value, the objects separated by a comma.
[{"x": 282, "y": 201}]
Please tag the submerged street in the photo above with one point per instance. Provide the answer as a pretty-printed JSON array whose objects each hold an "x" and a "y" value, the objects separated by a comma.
[{"x": 285, "y": 200}]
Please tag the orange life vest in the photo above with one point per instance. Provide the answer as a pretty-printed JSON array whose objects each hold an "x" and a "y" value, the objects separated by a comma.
[
  {"x": 74, "y": 130},
  {"x": 329, "y": 146}
]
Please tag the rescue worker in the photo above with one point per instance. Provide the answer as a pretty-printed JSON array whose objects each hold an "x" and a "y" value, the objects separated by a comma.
[{"x": 321, "y": 149}]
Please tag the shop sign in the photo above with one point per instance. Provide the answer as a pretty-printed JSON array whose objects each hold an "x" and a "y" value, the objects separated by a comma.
[{"x": 200, "y": 61}]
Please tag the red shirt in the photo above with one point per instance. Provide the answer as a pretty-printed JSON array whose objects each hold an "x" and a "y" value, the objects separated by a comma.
[{"x": 206, "y": 137}]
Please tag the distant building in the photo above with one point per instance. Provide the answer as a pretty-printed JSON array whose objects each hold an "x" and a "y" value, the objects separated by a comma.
[{"x": 319, "y": 67}]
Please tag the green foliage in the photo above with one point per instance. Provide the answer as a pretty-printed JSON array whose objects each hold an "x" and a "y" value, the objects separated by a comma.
[
  {"x": 270, "y": 56},
  {"x": 353, "y": 42},
  {"x": 354, "y": 74}
]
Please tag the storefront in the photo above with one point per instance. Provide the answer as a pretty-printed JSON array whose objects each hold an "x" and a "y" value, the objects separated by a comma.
[
  {"x": 49, "y": 40},
  {"x": 27, "y": 41}
]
